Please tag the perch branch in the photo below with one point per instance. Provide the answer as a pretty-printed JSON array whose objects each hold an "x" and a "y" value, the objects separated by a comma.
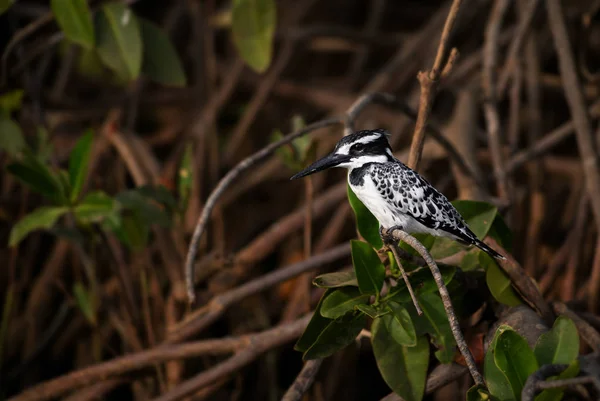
[
  {"x": 437, "y": 276},
  {"x": 429, "y": 82}
]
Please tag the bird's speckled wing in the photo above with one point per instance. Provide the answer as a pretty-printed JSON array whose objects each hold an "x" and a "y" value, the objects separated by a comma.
[{"x": 410, "y": 194}]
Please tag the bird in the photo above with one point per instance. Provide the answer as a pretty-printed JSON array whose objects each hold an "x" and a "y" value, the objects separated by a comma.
[{"x": 396, "y": 195}]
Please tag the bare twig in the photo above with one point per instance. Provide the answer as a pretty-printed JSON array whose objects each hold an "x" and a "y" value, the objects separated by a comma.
[
  {"x": 489, "y": 88},
  {"x": 400, "y": 235},
  {"x": 215, "y": 308},
  {"x": 429, "y": 82},
  {"x": 577, "y": 105},
  {"x": 241, "y": 167},
  {"x": 536, "y": 381},
  {"x": 393, "y": 246},
  {"x": 304, "y": 380},
  {"x": 257, "y": 345}
]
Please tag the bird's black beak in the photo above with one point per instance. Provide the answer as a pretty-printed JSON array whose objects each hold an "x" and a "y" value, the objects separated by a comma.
[{"x": 329, "y": 161}]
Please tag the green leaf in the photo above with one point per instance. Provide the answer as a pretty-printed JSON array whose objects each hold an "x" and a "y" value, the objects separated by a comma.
[
  {"x": 78, "y": 163},
  {"x": 371, "y": 311},
  {"x": 514, "y": 358},
  {"x": 253, "y": 28},
  {"x": 338, "y": 334},
  {"x": 556, "y": 394},
  {"x": 498, "y": 282},
  {"x": 84, "y": 299},
  {"x": 316, "y": 325},
  {"x": 12, "y": 100},
  {"x": 470, "y": 261},
  {"x": 40, "y": 218},
  {"x": 369, "y": 270},
  {"x": 335, "y": 280},
  {"x": 403, "y": 368},
  {"x": 5, "y": 5},
  {"x": 342, "y": 301},
  {"x": 119, "y": 42},
  {"x": 496, "y": 381},
  {"x": 161, "y": 62},
  {"x": 560, "y": 345},
  {"x": 185, "y": 177},
  {"x": 478, "y": 393},
  {"x": 148, "y": 210},
  {"x": 441, "y": 333},
  {"x": 422, "y": 282},
  {"x": 37, "y": 176},
  {"x": 95, "y": 207},
  {"x": 501, "y": 233},
  {"x": 75, "y": 20},
  {"x": 367, "y": 224},
  {"x": 400, "y": 325},
  {"x": 11, "y": 137}
]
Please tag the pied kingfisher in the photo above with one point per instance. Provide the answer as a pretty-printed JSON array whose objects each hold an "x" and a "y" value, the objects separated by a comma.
[{"x": 396, "y": 195}]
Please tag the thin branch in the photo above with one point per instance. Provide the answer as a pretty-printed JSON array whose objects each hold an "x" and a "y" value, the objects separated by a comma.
[
  {"x": 257, "y": 345},
  {"x": 489, "y": 88},
  {"x": 393, "y": 246},
  {"x": 225, "y": 182},
  {"x": 577, "y": 105},
  {"x": 304, "y": 380},
  {"x": 445, "y": 295},
  {"x": 204, "y": 316},
  {"x": 536, "y": 382},
  {"x": 429, "y": 82}
]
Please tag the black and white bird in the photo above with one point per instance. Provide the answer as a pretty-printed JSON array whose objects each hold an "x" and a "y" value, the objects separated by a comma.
[{"x": 396, "y": 195}]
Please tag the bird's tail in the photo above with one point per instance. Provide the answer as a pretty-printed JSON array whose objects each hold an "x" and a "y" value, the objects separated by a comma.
[{"x": 483, "y": 246}]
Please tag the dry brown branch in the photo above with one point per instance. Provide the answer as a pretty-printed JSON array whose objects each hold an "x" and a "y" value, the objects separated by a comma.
[
  {"x": 489, "y": 88},
  {"x": 303, "y": 382},
  {"x": 245, "y": 348},
  {"x": 429, "y": 83},
  {"x": 577, "y": 105},
  {"x": 400, "y": 235}
]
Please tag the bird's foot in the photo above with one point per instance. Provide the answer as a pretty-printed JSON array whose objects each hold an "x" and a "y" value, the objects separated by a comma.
[{"x": 387, "y": 236}]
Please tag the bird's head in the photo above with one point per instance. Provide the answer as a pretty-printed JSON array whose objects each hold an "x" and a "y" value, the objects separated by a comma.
[{"x": 353, "y": 151}]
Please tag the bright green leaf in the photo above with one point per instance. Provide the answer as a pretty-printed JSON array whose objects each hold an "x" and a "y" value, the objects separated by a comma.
[
  {"x": 335, "y": 280},
  {"x": 400, "y": 325},
  {"x": 41, "y": 218},
  {"x": 369, "y": 270},
  {"x": 342, "y": 301},
  {"x": 434, "y": 312},
  {"x": 12, "y": 100},
  {"x": 496, "y": 381},
  {"x": 498, "y": 282},
  {"x": 11, "y": 137},
  {"x": 75, "y": 20},
  {"x": 478, "y": 215},
  {"x": 316, "y": 325},
  {"x": 161, "y": 62},
  {"x": 371, "y": 311},
  {"x": 338, "y": 334},
  {"x": 78, "y": 163},
  {"x": 119, "y": 42},
  {"x": 95, "y": 207},
  {"x": 253, "y": 30},
  {"x": 422, "y": 282},
  {"x": 403, "y": 368},
  {"x": 514, "y": 358},
  {"x": 85, "y": 302},
  {"x": 367, "y": 224},
  {"x": 560, "y": 345}
]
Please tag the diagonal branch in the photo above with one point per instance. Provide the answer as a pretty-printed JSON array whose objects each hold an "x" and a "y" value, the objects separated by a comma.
[{"x": 445, "y": 295}]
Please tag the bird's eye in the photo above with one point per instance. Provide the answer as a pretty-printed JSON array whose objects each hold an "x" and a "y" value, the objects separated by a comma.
[{"x": 358, "y": 147}]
